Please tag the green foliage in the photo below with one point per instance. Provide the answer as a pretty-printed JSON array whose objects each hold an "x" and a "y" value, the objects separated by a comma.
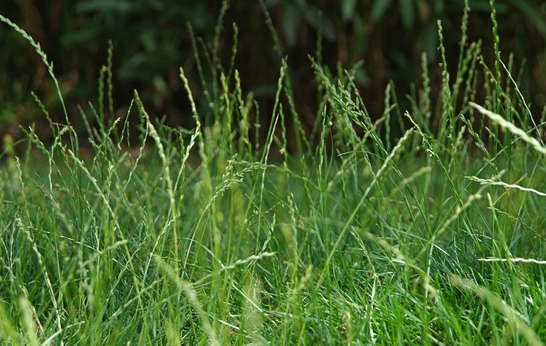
[
  {"x": 146, "y": 34},
  {"x": 205, "y": 237},
  {"x": 151, "y": 40}
]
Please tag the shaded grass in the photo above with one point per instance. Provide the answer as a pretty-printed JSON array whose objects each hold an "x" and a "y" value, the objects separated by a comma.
[{"x": 204, "y": 238}]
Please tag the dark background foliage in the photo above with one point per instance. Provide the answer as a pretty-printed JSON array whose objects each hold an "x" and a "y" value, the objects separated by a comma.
[{"x": 151, "y": 41}]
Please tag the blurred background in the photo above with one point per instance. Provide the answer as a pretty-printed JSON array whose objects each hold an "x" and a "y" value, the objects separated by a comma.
[{"x": 151, "y": 41}]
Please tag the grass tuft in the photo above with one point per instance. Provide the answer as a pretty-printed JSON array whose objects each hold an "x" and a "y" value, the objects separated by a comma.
[{"x": 215, "y": 235}]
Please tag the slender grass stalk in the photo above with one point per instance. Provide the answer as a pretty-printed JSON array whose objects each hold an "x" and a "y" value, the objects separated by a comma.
[
  {"x": 208, "y": 238},
  {"x": 512, "y": 316},
  {"x": 498, "y": 119}
]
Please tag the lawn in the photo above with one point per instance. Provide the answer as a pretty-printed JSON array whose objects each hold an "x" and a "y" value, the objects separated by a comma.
[{"x": 425, "y": 226}]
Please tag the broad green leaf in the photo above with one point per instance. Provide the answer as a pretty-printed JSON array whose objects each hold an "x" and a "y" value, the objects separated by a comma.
[
  {"x": 379, "y": 8},
  {"x": 407, "y": 12},
  {"x": 347, "y": 9},
  {"x": 315, "y": 18},
  {"x": 291, "y": 23}
]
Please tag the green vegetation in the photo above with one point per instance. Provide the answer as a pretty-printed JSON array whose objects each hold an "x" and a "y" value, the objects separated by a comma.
[
  {"x": 216, "y": 236},
  {"x": 151, "y": 42}
]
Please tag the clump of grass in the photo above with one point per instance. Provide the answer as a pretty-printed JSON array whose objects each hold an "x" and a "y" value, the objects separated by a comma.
[{"x": 435, "y": 237}]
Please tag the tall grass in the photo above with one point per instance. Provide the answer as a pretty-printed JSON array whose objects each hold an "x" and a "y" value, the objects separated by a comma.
[{"x": 214, "y": 236}]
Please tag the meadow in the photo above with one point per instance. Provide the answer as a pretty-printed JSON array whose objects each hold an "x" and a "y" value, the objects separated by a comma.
[{"x": 425, "y": 226}]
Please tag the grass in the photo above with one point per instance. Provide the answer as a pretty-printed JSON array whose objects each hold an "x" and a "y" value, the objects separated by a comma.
[{"x": 207, "y": 237}]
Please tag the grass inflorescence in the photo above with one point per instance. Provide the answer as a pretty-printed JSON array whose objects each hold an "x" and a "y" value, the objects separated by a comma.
[{"x": 216, "y": 236}]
